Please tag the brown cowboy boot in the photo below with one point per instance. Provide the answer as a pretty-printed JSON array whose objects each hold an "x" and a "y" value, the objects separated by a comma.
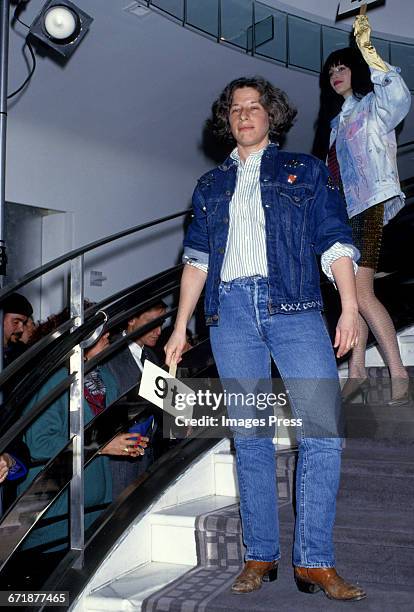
[
  {"x": 312, "y": 579},
  {"x": 253, "y": 574}
]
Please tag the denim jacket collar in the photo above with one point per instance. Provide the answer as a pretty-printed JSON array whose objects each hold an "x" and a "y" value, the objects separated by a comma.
[{"x": 231, "y": 161}]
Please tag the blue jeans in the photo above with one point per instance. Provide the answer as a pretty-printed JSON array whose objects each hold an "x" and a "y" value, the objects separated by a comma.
[{"x": 243, "y": 343}]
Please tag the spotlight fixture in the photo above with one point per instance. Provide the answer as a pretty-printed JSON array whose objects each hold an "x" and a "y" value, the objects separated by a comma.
[{"x": 60, "y": 25}]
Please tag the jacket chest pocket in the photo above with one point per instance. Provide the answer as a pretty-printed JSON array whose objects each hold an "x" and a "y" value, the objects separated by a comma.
[
  {"x": 211, "y": 211},
  {"x": 295, "y": 196}
]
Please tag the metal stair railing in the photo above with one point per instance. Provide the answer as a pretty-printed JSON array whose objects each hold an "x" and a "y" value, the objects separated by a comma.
[
  {"x": 275, "y": 35},
  {"x": 64, "y": 344}
]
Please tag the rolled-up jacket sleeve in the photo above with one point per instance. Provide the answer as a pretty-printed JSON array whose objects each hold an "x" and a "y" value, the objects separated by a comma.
[
  {"x": 392, "y": 98},
  {"x": 336, "y": 251},
  {"x": 196, "y": 243}
]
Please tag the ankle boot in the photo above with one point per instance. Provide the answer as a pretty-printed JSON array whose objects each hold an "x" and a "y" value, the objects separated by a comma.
[
  {"x": 253, "y": 574},
  {"x": 313, "y": 579}
]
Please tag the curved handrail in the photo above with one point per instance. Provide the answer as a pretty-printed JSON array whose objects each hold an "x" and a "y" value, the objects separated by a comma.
[
  {"x": 117, "y": 315},
  {"x": 61, "y": 349},
  {"x": 58, "y": 261}
]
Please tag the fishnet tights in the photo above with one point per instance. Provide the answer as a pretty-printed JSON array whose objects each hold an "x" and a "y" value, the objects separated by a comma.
[{"x": 374, "y": 316}]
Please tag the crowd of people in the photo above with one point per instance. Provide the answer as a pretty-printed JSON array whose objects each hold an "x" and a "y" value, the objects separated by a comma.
[{"x": 124, "y": 458}]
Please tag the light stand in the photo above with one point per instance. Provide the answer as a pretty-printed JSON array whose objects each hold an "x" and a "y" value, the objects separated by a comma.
[{"x": 4, "y": 64}]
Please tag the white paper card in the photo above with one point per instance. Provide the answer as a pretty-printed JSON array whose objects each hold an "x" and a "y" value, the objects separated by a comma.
[
  {"x": 160, "y": 388},
  {"x": 349, "y": 7}
]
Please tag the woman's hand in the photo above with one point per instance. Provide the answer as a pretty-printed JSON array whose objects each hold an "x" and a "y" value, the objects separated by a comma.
[
  {"x": 126, "y": 445},
  {"x": 175, "y": 347},
  {"x": 5, "y": 463},
  {"x": 347, "y": 331},
  {"x": 362, "y": 31}
]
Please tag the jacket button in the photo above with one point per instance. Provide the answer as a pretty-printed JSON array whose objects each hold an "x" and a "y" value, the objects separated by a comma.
[
  {"x": 221, "y": 251},
  {"x": 215, "y": 317},
  {"x": 225, "y": 220},
  {"x": 204, "y": 208},
  {"x": 228, "y": 193}
]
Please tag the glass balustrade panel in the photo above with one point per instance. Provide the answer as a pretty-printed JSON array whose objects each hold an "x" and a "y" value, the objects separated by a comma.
[
  {"x": 403, "y": 56},
  {"x": 304, "y": 44},
  {"x": 236, "y": 19},
  {"x": 172, "y": 7},
  {"x": 333, "y": 39},
  {"x": 203, "y": 15},
  {"x": 270, "y": 33}
]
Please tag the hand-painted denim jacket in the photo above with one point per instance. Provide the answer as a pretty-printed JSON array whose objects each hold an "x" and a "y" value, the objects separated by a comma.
[
  {"x": 366, "y": 147},
  {"x": 304, "y": 216}
]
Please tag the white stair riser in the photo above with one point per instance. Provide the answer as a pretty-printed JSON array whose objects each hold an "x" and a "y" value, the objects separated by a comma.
[
  {"x": 173, "y": 544},
  {"x": 225, "y": 478}
]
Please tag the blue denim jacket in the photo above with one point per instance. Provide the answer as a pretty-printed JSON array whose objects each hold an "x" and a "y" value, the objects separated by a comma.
[
  {"x": 366, "y": 146},
  {"x": 304, "y": 215}
]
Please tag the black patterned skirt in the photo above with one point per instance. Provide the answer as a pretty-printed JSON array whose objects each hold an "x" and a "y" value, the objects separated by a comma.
[{"x": 367, "y": 230}]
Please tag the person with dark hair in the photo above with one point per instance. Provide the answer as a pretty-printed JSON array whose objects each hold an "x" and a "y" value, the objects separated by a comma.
[
  {"x": 126, "y": 367},
  {"x": 16, "y": 312},
  {"x": 280, "y": 112},
  {"x": 372, "y": 99},
  {"x": 259, "y": 222}
]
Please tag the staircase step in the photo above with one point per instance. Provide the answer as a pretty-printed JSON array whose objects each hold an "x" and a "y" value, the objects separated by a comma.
[
  {"x": 367, "y": 548},
  {"x": 378, "y": 467},
  {"x": 226, "y": 479},
  {"x": 127, "y": 592},
  {"x": 225, "y": 474},
  {"x": 377, "y": 421},
  {"x": 378, "y": 450},
  {"x": 374, "y": 541},
  {"x": 172, "y": 529},
  {"x": 388, "y": 492},
  {"x": 212, "y": 594}
]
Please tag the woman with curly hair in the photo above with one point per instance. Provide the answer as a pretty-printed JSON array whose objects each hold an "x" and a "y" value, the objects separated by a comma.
[
  {"x": 363, "y": 100},
  {"x": 259, "y": 222}
]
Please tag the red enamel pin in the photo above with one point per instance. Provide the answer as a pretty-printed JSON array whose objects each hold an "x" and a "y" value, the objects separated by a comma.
[{"x": 292, "y": 178}]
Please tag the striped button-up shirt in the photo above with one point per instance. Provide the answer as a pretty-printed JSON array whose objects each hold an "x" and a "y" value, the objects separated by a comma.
[{"x": 246, "y": 243}]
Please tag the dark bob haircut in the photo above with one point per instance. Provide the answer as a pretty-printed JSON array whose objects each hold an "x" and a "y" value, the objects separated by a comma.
[
  {"x": 360, "y": 78},
  {"x": 281, "y": 112}
]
